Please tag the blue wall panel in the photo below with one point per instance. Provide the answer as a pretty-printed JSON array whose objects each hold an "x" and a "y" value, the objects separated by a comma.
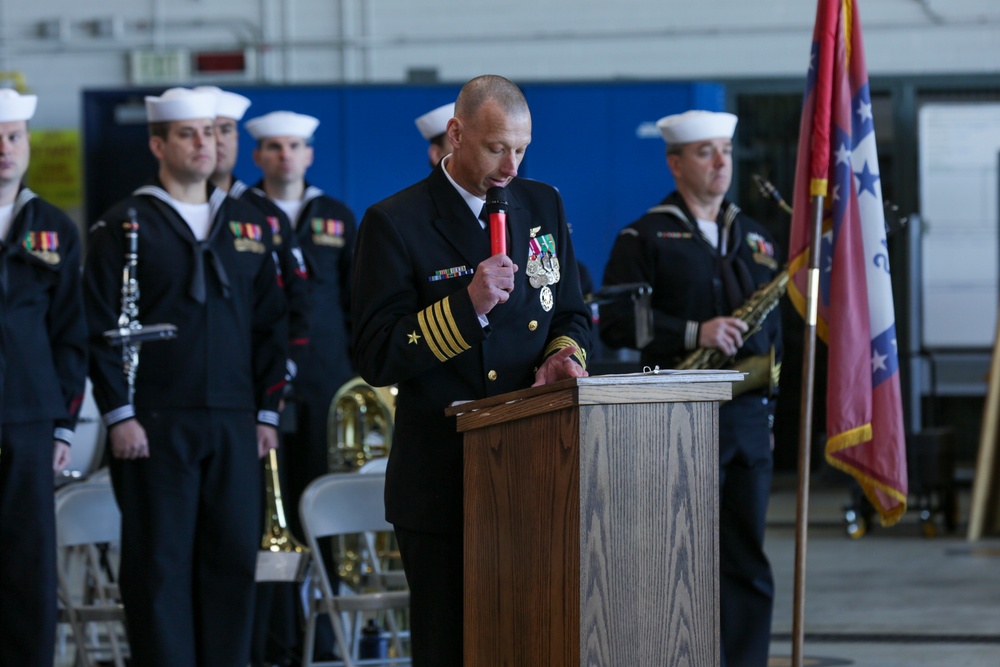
[{"x": 594, "y": 141}]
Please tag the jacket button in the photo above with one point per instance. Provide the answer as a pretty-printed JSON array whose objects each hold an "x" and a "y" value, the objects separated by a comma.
[
  {"x": 532, "y": 325},
  {"x": 492, "y": 375}
]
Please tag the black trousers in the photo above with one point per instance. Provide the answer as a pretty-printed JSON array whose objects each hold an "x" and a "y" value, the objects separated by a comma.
[
  {"x": 746, "y": 588},
  {"x": 190, "y": 536},
  {"x": 27, "y": 545},
  {"x": 433, "y": 564}
]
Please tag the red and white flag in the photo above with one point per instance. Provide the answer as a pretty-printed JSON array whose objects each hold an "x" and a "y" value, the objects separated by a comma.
[{"x": 837, "y": 159}]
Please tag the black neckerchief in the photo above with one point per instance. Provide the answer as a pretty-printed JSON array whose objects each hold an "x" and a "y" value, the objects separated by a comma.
[{"x": 737, "y": 283}]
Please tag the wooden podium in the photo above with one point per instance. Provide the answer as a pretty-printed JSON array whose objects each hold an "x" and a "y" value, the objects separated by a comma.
[{"x": 591, "y": 522}]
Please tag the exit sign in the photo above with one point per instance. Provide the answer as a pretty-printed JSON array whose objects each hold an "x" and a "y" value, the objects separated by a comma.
[{"x": 159, "y": 67}]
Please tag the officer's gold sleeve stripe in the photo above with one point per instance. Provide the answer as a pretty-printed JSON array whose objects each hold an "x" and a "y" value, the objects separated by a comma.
[
  {"x": 434, "y": 319},
  {"x": 442, "y": 309},
  {"x": 565, "y": 341},
  {"x": 422, "y": 321}
]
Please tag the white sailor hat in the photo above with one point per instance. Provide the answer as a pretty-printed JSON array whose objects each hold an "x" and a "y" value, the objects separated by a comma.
[
  {"x": 14, "y": 106},
  {"x": 683, "y": 128},
  {"x": 282, "y": 124},
  {"x": 435, "y": 122},
  {"x": 228, "y": 105},
  {"x": 180, "y": 104}
]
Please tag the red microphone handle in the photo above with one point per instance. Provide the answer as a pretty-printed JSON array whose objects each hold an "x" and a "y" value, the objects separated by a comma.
[{"x": 498, "y": 233}]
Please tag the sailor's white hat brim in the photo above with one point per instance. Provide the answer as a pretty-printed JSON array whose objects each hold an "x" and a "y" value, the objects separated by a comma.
[
  {"x": 684, "y": 128},
  {"x": 282, "y": 124},
  {"x": 434, "y": 123},
  {"x": 14, "y": 106},
  {"x": 180, "y": 104}
]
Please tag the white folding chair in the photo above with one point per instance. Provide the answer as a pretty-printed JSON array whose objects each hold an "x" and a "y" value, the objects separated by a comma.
[
  {"x": 88, "y": 445},
  {"x": 87, "y": 516},
  {"x": 391, "y": 578},
  {"x": 346, "y": 504},
  {"x": 375, "y": 465}
]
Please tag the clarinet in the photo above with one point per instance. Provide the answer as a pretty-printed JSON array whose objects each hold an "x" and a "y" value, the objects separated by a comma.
[
  {"x": 130, "y": 333},
  {"x": 128, "y": 319}
]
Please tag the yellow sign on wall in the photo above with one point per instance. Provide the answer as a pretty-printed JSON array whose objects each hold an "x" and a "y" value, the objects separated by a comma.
[{"x": 54, "y": 172}]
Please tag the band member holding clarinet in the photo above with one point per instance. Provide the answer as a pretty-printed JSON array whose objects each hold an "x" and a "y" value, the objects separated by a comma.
[
  {"x": 185, "y": 451},
  {"x": 44, "y": 340},
  {"x": 705, "y": 259},
  {"x": 441, "y": 315}
]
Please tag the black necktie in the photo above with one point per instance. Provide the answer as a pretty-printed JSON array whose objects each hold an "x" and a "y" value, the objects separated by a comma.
[{"x": 485, "y": 218}]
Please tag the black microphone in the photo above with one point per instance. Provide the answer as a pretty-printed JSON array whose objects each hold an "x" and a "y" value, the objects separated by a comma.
[{"x": 496, "y": 209}]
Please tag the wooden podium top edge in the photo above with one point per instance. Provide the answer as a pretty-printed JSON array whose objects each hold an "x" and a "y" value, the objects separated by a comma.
[{"x": 580, "y": 387}]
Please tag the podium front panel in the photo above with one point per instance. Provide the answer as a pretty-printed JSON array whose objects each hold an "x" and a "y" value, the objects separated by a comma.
[
  {"x": 522, "y": 543},
  {"x": 649, "y": 535},
  {"x": 591, "y": 531}
]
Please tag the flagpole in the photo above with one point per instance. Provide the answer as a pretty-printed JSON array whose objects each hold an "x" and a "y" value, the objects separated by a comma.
[{"x": 805, "y": 432}]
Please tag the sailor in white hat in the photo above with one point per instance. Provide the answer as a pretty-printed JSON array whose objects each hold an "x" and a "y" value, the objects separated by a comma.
[
  {"x": 43, "y": 366},
  {"x": 432, "y": 126},
  {"x": 182, "y": 138},
  {"x": 284, "y": 153},
  {"x": 229, "y": 111},
  {"x": 700, "y": 157},
  {"x": 325, "y": 229},
  {"x": 292, "y": 276},
  {"x": 184, "y": 447},
  {"x": 15, "y": 151},
  {"x": 705, "y": 258}
]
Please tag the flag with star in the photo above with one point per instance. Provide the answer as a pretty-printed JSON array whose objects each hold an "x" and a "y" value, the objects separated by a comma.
[{"x": 837, "y": 160}]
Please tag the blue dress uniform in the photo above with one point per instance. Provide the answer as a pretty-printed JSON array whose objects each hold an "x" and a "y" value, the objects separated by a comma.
[
  {"x": 325, "y": 231},
  {"x": 191, "y": 511},
  {"x": 276, "y": 628},
  {"x": 293, "y": 275},
  {"x": 692, "y": 283},
  {"x": 44, "y": 338},
  {"x": 415, "y": 326}
]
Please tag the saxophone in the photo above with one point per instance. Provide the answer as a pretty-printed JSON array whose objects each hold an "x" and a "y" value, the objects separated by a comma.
[
  {"x": 761, "y": 369},
  {"x": 130, "y": 333}
]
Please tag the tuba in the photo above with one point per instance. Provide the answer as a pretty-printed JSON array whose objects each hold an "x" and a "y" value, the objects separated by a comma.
[
  {"x": 359, "y": 424},
  {"x": 359, "y": 429}
]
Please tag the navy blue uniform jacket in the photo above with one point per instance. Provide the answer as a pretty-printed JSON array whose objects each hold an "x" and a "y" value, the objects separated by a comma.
[
  {"x": 43, "y": 325},
  {"x": 230, "y": 351},
  {"x": 415, "y": 326}
]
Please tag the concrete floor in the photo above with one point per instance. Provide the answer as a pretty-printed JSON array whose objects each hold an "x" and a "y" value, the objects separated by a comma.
[{"x": 892, "y": 598}]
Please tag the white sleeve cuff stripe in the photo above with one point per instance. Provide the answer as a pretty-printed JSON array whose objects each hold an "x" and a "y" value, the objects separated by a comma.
[
  {"x": 691, "y": 336},
  {"x": 64, "y": 434},
  {"x": 267, "y": 417},
  {"x": 119, "y": 415}
]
